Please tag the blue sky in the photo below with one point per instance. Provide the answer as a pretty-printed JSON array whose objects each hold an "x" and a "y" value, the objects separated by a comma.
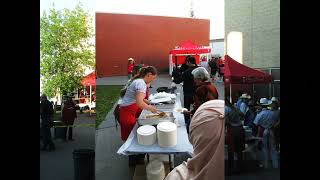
[{"x": 88, "y": 5}]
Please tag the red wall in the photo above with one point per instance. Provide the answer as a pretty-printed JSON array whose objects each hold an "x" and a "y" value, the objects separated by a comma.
[{"x": 147, "y": 39}]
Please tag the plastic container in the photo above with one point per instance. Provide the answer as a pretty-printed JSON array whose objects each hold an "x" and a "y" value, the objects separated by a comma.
[
  {"x": 167, "y": 134},
  {"x": 155, "y": 170},
  {"x": 84, "y": 161},
  {"x": 146, "y": 135}
]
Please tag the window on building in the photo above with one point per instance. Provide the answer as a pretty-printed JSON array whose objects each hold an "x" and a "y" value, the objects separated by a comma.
[
  {"x": 275, "y": 73},
  {"x": 276, "y": 89}
]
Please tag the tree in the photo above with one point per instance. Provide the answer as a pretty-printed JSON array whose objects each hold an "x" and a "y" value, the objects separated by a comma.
[{"x": 65, "y": 49}]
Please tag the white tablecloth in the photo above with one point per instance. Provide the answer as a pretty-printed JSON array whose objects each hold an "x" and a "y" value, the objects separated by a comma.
[{"x": 131, "y": 146}]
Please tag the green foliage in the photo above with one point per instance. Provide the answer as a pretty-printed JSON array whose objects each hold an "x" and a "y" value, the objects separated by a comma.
[
  {"x": 107, "y": 96},
  {"x": 65, "y": 49}
]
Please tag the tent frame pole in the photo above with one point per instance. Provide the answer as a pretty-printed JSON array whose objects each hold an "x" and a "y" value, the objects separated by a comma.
[
  {"x": 90, "y": 99},
  {"x": 230, "y": 94},
  {"x": 253, "y": 93}
]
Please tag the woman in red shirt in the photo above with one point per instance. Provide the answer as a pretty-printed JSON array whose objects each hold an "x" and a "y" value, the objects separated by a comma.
[
  {"x": 130, "y": 67},
  {"x": 221, "y": 68}
]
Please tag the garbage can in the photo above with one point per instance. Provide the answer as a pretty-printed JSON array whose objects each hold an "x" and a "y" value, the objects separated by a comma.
[
  {"x": 59, "y": 132},
  {"x": 84, "y": 164}
]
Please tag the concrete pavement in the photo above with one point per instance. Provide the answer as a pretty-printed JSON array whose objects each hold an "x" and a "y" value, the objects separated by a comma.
[
  {"x": 58, "y": 164},
  {"x": 116, "y": 80}
]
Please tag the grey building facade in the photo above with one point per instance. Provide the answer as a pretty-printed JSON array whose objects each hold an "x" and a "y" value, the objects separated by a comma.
[{"x": 259, "y": 23}]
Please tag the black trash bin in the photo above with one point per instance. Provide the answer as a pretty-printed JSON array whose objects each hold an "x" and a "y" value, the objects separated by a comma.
[
  {"x": 84, "y": 164},
  {"x": 59, "y": 132}
]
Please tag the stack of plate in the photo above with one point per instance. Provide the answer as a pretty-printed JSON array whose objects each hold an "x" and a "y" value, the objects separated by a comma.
[
  {"x": 167, "y": 134},
  {"x": 146, "y": 135}
]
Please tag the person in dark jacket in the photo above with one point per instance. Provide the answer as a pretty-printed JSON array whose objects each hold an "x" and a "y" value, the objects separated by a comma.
[
  {"x": 46, "y": 113},
  {"x": 213, "y": 67},
  {"x": 177, "y": 72},
  {"x": 235, "y": 139},
  {"x": 69, "y": 114},
  {"x": 184, "y": 66},
  {"x": 188, "y": 82},
  {"x": 188, "y": 86}
]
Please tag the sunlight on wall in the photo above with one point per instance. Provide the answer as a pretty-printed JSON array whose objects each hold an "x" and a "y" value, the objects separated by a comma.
[{"x": 234, "y": 45}]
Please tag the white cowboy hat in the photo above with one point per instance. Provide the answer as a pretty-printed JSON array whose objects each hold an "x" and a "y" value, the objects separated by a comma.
[
  {"x": 274, "y": 99},
  {"x": 130, "y": 59},
  {"x": 245, "y": 96},
  {"x": 265, "y": 101}
]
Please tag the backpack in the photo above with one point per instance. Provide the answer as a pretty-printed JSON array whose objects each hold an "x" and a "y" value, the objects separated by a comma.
[{"x": 177, "y": 76}]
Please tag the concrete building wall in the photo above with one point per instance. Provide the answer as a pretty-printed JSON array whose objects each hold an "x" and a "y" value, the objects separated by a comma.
[
  {"x": 259, "y": 21},
  {"x": 217, "y": 47}
]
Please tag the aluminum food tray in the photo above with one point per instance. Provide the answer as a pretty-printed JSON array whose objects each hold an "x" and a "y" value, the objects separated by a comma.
[{"x": 142, "y": 120}]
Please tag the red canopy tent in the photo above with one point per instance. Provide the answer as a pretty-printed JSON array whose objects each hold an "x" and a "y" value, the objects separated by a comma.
[
  {"x": 236, "y": 73},
  {"x": 188, "y": 47},
  {"x": 177, "y": 55},
  {"x": 89, "y": 80}
]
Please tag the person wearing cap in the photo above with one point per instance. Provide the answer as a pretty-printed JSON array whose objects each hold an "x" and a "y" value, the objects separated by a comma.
[
  {"x": 235, "y": 138},
  {"x": 250, "y": 116},
  {"x": 264, "y": 120},
  {"x": 244, "y": 105},
  {"x": 130, "y": 67},
  {"x": 276, "y": 119},
  {"x": 46, "y": 114}
]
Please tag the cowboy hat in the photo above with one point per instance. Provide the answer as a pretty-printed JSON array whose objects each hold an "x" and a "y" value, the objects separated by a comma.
[
  {"x": 130, "y": 59},
  {"x": 274, "y": 99},
  {"x": 245, "y": 96},
  {"x": 264, "y": 101}
]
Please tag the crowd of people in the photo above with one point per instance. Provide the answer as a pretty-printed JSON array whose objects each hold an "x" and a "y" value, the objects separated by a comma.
[
  {"x": 204, "y": 120},
  {"x": 262, "y": 118},
  {"x": 216, "y": 65},
  {"x": 47, "y": 115},
  {"x": 198, "y": 92}
]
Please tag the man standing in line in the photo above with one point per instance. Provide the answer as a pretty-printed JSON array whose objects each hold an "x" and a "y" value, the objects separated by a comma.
[{"x": 46, "y": 113}]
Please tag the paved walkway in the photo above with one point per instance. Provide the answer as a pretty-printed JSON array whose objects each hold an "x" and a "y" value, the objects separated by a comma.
[
  {"x": 116, "y": 80},
  {"x": 162, "y": 80},
  {"x": 110, "y": 165},
  {"x": 264, "y": 174},
  {"x": 58, "y": 164}
]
